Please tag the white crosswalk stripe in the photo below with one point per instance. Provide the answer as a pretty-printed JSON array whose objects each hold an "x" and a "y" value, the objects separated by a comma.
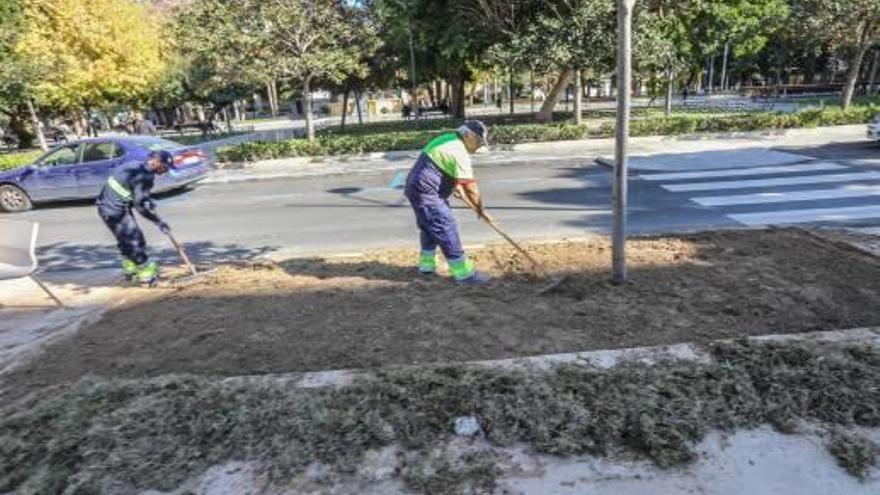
[
  {"x": 781, "y": 181},
  {"x": 754, "y": 199},
  {"x": 812, "y": 167},
  {"x": 804, "y": 216},
  {"x": 788, "y": 196}
]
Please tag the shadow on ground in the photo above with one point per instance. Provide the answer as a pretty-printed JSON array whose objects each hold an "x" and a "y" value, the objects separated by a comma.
[{"x": 66, "y": 256}]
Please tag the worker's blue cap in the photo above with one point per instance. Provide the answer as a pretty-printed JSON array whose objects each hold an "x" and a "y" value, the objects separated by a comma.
[
  {"x": 478, "y": 129},
  {"x": 165, "y": 157}
]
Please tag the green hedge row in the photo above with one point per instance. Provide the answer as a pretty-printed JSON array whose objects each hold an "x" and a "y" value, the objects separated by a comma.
[
  {"x": 330, "y": 144},
  {"x": 809, "y": 118},
  {"x": 15, "y": 160},
  {"x": 325, "y": 145}
]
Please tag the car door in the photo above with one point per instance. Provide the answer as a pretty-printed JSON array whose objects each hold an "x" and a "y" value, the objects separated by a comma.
[
  {"x": 98, "y": 159},
  {"x": 53, "y": 176}
]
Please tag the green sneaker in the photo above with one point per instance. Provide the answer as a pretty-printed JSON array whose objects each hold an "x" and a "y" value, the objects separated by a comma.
[
  {"x": 129, "y": 268},
  {"x": 147, "y": 272}
]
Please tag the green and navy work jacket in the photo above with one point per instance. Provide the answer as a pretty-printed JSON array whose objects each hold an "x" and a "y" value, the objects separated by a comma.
[
  {"x": 443, "y": 163},
  {"x": 129, "y": 187}
]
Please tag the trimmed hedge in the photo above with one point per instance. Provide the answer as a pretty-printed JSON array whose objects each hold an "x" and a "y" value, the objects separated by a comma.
[
  {"x": 326, "y": 145},
  {"x": 18, "y": 159},
  {"x": 332, "y": 144}
]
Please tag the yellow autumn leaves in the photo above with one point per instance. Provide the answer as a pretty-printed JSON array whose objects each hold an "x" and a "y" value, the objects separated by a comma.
[{"x": 90, "y": 53}]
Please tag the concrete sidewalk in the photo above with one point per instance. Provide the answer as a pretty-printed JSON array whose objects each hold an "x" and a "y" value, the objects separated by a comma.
[
  {"x": 576, "y": 152},
  {"x": 29, "y": 319}
]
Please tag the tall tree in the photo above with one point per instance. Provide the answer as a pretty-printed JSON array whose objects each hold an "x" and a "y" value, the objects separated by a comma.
[
  {"x": 449, "y": 42},
  {"x": 305, "y": 41},
  {"x": 570, "y": 36},
  {"x": 851, "y": 26},
  {"x": 217, "y": 59},
  {"x": 99, "y": 51},
  {"x": 18, "y": 76}
]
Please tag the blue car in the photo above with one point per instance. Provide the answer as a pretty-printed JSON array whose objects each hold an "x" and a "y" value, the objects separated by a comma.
[{"x": 78, "y": 170}]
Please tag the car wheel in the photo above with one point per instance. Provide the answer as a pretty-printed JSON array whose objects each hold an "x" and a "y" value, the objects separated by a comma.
[{"x": 13, "y": 199}]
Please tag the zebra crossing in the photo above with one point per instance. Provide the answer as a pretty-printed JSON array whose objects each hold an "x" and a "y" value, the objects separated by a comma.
[{"x": 819, "y": 191}]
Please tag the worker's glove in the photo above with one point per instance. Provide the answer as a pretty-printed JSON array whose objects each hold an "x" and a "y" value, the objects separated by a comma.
[{"x": 164, "y": 227}]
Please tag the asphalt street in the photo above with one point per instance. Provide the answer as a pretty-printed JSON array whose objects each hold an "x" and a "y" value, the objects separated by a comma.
[{"x": 324, "y": 215}]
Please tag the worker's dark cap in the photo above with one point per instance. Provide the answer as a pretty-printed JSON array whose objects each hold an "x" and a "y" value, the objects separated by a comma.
[
  {"x": 478, "y": 129},
  {"x": 165, "y": 157}
]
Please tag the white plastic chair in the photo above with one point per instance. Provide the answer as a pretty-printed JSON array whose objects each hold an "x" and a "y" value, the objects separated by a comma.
[{"x": 18, "y": 243}]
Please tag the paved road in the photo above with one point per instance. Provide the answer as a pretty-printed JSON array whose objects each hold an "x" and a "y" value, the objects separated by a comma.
[{"x": 346, "y": 213}]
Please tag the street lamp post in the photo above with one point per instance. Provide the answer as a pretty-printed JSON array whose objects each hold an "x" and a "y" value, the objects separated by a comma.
[{"x": 624, "y": 89}]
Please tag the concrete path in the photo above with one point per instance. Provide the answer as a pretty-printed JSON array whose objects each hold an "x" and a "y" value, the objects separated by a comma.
[{"x": 29, "y": 319}]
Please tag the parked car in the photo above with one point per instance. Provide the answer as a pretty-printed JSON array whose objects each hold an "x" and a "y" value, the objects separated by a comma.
[
  {"x": 78, "y": 170},
  {"x": 874, "y": 129}
]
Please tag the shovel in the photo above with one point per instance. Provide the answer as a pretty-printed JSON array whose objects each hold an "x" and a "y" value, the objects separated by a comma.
[{"x": 555, "y": 281}]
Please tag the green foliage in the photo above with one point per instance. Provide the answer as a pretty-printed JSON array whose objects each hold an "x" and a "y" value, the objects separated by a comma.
[
  {"x": 394, "y": 136},
  {"x": 686, "y": 124},
  {"x": 326, "y": 145},
  {"x": 15, "y": 160},
  {"x": 215, "y": 63},
  {"x": 92, "y": 53}
]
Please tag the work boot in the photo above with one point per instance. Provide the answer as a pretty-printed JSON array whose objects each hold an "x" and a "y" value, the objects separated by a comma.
[
  {"x": 476, "y": 279},
  {"x": 427, "y": 263},
  {"x": 129, "y": 268},
  {"x": 147, "y": 273}
]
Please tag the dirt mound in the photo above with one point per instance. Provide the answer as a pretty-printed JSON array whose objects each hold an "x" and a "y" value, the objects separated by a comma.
[{"x": 375, "y": 310}]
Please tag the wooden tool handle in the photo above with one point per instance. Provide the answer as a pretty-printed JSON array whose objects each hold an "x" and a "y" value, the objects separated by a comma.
[
  {"x": 181, "y": 253},
  {"x": 503, "y": 234}
]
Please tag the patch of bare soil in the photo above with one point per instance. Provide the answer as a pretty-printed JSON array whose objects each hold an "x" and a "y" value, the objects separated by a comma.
[{"x": 375, "y": 311}]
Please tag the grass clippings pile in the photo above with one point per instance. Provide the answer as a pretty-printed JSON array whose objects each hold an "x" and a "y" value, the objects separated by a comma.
[
  {"x": 854, "y": 453},
  {"x": 120, "y": 436}
]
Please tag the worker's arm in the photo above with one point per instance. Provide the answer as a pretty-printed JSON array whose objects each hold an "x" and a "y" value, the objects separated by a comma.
[
  {"x": 469, "y": 192},
  {"x": 144, "y": 204}
]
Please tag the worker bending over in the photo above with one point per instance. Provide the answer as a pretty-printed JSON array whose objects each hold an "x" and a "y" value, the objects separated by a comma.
[
  {"x": 443, "y": 169},
  {"x": 129, "y": 187}
]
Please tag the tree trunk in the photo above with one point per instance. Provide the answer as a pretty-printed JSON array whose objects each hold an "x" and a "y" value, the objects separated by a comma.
[
  {"x": 670, "y": 83},
  {"x": 18, "y": 126},
  {"x": 531, "y": 91},
  {"x": 546, "y": 112},
  {"x": 357, "y": 101},
  {"x": 511, "y": 91},
  {"x": 345, "y": 105},
  {"x": 227, "y": 116},
  {"x": 272, "y": 89},
  {"x": 458, "y": 96},
  {"x": 724, "y": 67},
  {"x": 872, "y": 79},
  {"x": 437, "y": 95},
  {"x": 711, "y": 86},
  {"x": 432, "y": 97},
  {"x": 307, "y": 107},
  {"x": 856, "y": 66},
  {"x": 38, "y": 126},
  {"x": 578, "y": 90}
]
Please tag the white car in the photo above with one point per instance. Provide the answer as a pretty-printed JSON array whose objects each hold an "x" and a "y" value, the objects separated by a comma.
[{"x": 874, "y": 129}]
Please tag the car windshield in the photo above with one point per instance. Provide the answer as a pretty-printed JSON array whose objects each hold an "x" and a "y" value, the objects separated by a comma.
[{"x": 157, "y": 144}]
